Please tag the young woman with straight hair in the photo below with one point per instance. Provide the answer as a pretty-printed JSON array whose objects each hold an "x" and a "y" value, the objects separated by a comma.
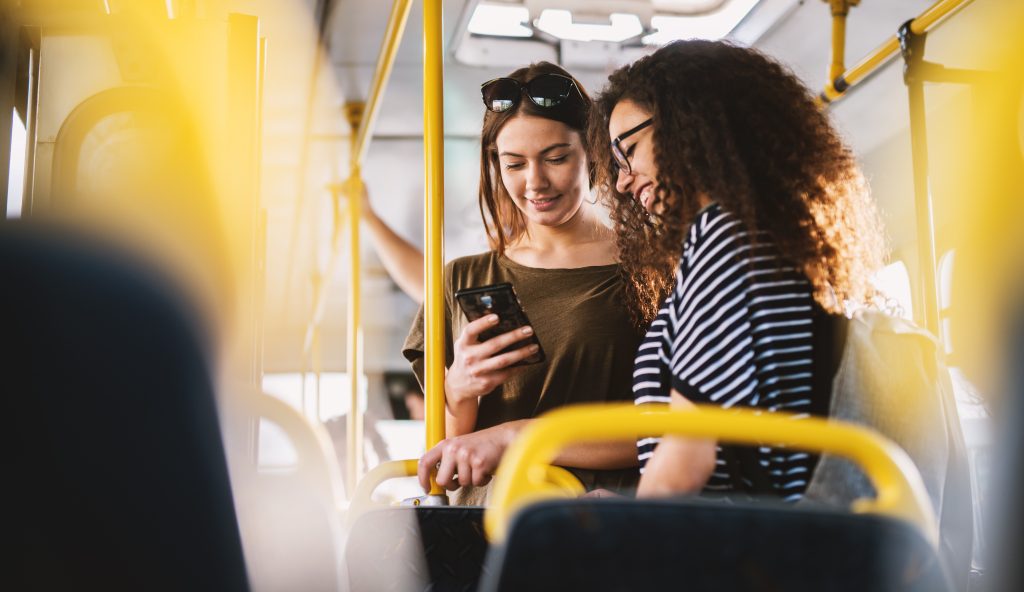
[{"x": 554, "y": 246}]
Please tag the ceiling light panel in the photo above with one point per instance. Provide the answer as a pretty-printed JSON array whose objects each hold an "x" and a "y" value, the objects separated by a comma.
[
  {"x": 687, "y": 6},
  {"x": 500, "y": 20},
  {"x": 616, "y": 28},
  {"x": 713, "y": 25}
]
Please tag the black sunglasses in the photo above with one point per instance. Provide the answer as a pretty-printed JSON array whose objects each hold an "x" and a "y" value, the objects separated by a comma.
[
  {"x": 621, "y": 159},
  {"x": 546, "y": 90}
]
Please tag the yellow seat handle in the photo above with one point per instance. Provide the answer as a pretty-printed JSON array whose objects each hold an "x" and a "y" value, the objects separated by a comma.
[{"x": 523, "y": 475}]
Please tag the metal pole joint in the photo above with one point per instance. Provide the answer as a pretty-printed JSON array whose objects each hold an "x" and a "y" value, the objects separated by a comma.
[
  {"x": 841, "y": 7},
  {"x": 354, "y": 116},
  {"x": 429, "y": 500},
  {"x": 917, "y": 69},
  {"x": 912, "y": 50}
]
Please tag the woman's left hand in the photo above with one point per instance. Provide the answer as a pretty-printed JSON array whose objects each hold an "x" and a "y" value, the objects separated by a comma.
[{"x": 470, "y": 459}]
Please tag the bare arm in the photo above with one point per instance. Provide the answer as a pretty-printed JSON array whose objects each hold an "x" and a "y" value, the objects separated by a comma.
[
  {"x": 599, "y": 455},
  {"x": 472, "y": 458},
  {"x": 460, "y": 417},
  {"x": 587, "y": 455},
  {"x": 478, "y": 369},
  {"x": 402, "y": 260},
  {"x": 468, "y": 457},
  {"x": 679, "y": 465}
]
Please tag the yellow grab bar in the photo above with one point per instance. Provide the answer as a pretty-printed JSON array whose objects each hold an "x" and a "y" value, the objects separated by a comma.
[
  {"x": 362, "y": 499},
  {"x": 522, "y": 476},
  {"x": 840, "y": 9},
  {"x": 935, "y": 13},
  {"x": 385, "y": 61},
  {"x": 433, "y": 152},
  {"x": 354, "y": 325},
  {"x": 564, "y": 480},
  {"x": 361, "y": 117},
  {"x": 837, "y": 86}
]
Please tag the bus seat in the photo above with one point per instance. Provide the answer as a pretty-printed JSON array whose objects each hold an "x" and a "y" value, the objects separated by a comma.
[
  {"x": 435, "y": 548},
  {"x": 289, "y": 518},
  {"x": 119, "y": 478},
  {"x": 892, "y": 379},
  {"x": 699, "y": 545},
  {"x": 1005, "y": 521}
]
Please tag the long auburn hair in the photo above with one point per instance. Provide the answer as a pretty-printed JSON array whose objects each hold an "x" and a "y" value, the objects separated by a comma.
[
  {"x": 504, "y": 222},
  {"x": 736, "y": 126}
]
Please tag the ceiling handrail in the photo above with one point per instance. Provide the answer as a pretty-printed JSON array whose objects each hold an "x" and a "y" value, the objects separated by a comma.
[{"x": 838, "y": 86}]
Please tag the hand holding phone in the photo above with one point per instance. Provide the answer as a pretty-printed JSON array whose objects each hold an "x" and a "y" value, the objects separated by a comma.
[
  {"x": 499, "y": 299},
  {"x": 489, "y": 350}
]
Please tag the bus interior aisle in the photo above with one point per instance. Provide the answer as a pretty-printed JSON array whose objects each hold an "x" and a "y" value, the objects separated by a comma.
[{"x": 228, "y": 226}]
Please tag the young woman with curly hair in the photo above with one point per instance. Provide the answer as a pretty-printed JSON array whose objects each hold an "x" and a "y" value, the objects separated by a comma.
[
  {"x": 722, "y": 168},
  {"x": 555, "y": 247}
]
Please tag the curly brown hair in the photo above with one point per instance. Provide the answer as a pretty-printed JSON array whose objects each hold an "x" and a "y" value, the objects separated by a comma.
[
  {"x": 504, "y": 222},
  {"x": 736, "y": 126}
]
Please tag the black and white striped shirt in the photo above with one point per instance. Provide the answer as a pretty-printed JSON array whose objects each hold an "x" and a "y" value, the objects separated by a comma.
[{"x": 737, "y": 331}]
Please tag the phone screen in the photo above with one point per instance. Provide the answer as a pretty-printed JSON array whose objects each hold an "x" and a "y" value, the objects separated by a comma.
[{"x": 499, "y": 299}]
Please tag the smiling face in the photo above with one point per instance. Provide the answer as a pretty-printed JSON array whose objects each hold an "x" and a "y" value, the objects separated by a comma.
[
  {"x": 641, "y": 181},
  {"x": 543, "y": 167}
]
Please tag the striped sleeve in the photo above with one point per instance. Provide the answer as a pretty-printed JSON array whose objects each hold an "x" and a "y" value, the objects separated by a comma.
[
  {"x": 649, "y": 372},
  {"x": 709, "y": 334},
  {"x": 737, "y": 330},
  {"x": 650, "y": 376},
  {"x": 732, "y": 298}
]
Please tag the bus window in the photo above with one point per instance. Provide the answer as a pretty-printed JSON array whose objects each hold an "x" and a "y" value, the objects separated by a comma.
[
  {"x": 16, "y": 176},
  {"x": 386, "y": 439},
  {"x": 893, "y": 281},
  {"x": 331, "y": 399}
]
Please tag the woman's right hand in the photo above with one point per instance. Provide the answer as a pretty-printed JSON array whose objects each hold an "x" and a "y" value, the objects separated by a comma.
[{"x": 478, "y": 369}]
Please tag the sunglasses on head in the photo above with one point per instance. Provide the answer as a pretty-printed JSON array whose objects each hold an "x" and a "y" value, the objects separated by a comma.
[{"x": 546, "y": 90}]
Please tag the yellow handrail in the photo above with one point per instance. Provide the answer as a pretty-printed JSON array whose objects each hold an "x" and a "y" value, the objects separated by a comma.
[
  {"x": 361, "y": 132},
  {"x": 935, "y": 13},
  {"x": 361, "y": 118},
  {"x": 385, "y": 61},
  {"x": 840, "y": 9},
  {"x": 837, "y": 86},
  {"x": 563, "y": 479},
  {"x": 354, "y": 347},
  {"x": 433, "y": 152},
  {"x": 362, "y": 498},
  {"x": 522, "y": 476},
  {"x": 322, "y": 276}
]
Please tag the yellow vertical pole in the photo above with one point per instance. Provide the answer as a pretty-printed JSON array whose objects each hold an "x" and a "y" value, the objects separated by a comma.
[
  {"x": 838, "y": 63},
  {"x": 433, "y": 151},
  {"x": 354, "y": 190}
]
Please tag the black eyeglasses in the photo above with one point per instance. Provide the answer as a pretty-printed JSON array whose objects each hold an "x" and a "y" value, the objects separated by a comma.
[
  {"x": 546, "y": 90},
  {"x": 621, "y": 160}
]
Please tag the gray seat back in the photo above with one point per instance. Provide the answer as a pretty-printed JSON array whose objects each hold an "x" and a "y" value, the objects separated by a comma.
[
  {"x": 892, "y": 378},
  {"x": 702, "y": 546}
]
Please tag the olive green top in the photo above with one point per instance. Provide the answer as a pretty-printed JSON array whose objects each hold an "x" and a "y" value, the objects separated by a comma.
[{"x": 583, "y": 326}]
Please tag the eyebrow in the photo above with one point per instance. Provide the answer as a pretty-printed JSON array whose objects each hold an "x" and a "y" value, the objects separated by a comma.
[{"x": 544, "y": 151}]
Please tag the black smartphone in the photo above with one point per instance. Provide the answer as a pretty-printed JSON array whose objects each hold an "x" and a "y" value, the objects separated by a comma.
[{"x": 500, "y": 299}]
